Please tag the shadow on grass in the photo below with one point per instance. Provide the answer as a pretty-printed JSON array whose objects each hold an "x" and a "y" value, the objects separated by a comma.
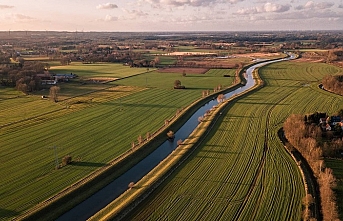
[
  {"x": 5, "y": 213},
  {"x": 88, "y": 164}
]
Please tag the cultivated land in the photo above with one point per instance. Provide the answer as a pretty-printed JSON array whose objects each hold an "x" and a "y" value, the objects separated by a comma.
[
  {"x": 242, "y": 171},
  {"x": 94, "y": 123}
]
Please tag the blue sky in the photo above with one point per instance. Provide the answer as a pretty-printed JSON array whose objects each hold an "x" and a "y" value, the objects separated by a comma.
[{"x": 170, "y": 15}]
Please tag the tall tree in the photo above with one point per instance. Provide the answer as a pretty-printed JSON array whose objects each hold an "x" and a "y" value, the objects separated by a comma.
[{"x": 54, "y": 93}]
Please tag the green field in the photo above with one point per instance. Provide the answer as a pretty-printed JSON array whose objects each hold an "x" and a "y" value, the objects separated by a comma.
[
  {"x": 105, "y": 70},
  {"x": 93, "y": 123},
  {"x": 242, "y": 171}
]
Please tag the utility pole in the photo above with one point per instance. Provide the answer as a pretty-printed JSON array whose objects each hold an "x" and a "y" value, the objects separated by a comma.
[{"x": 56, "y": 158}]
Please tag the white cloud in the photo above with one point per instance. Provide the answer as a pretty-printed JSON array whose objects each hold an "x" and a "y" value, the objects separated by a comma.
[
  {"x": 21, "y": 17},
  {"x": 267, "y": 7},
  {"x": 6, "y": 6},
  {"x": 313, "y": 5},
  {"x": 111, "y": 18},
  {"x": 235, "y": 1},
  {"x": 134, "y": 14},
  {"x": 107, "y": 6},
  {"x": 193, "y": 3}
]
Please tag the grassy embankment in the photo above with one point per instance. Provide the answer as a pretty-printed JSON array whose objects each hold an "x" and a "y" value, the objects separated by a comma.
[
  {"x": 242, "y": 163},
  {"x": 99, "y": 124}
]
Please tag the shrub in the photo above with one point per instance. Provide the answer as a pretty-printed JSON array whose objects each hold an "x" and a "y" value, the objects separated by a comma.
[
  {"x": 171, "y": 135},
  {"x": 66, "y": 160},
  {"x": 131, "y": 184}
]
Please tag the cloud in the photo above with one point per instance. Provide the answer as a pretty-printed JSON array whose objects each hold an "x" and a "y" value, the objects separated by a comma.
[
  {"x": 235, "y": 1},
  {"x": 6, "y": 6},
  {"x": 134, "y": 14},
  {"x": 193, "y": 3},
  {"x": 107, "y": 6},
  {"x": 267, "y": 7},
  {"x": 111, "y": 18},
  {"x": 302, "y": 16},
  {"x": 22, "y": 17},
  {"x": 311, "y": 5},
  {"x": 340, "y": 6}
]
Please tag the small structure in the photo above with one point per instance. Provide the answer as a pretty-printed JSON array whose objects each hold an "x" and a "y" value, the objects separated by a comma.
[{"x": 335, "y": 120}]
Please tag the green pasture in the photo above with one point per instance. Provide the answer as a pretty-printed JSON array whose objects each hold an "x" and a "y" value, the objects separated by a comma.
[
  {"x": 94, "y": 127},
  {"x": 167, "y": 60},
  {"x": 242, "y": 171},
  {"x": 193, "y": 82},
  {"x": 105, "y": 70}
]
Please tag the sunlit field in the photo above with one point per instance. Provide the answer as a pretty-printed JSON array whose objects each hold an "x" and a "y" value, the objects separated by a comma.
[
  {"x": 242, "y": 171},
  {"x": 94, "y": 123}
]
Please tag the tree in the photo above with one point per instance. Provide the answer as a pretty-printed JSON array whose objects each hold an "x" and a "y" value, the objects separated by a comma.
[
  {"x": 171, "y": 135},
  {"x": 177, "y": 83},
  {"x": 140, "y": 139},
  {"x": 131, "y": 184},
  {"x": 66, "y": 160},
  {"x": 54, "y": 93},
  {"x": 220, "y": 98}
]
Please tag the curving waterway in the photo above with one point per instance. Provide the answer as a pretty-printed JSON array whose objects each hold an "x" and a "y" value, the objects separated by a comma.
[{"x": 100, "y": 199}]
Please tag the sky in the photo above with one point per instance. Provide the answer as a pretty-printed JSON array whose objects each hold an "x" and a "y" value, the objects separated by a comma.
[{"x": 170, "y": 15}]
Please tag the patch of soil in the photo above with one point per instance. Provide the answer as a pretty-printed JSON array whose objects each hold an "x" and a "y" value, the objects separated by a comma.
[{"x": 186, "y": 70}]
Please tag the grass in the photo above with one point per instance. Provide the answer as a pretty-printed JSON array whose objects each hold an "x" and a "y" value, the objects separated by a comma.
[
  {"x": 106, "y": 70},
  {"x": 242, "y": 163},
  {"x": 95, "y": 128}
]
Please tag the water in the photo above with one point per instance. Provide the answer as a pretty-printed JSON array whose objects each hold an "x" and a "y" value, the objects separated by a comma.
[{"x": 106, "y": 195}]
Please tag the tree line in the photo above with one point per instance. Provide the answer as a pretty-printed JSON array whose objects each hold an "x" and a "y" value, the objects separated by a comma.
[
  {"x": 309, "y": 139},
  {"x": 333, "y": 83},
  {"x": 22, "y": 75}
]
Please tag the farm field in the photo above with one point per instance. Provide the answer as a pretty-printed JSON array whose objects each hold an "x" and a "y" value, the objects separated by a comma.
[
  {"x": 98, "y": 70},
  {"x": 94, "y": 124},
  {"x": 242, "y": 171}
]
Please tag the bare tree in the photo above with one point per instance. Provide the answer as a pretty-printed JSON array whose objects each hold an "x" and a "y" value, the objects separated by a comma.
[
  {"x": 131, "y": 184},
  {"x": 177, "y": 83},
  {"x": 54, "y": 93},
  {"x": 221, "y": 98}
]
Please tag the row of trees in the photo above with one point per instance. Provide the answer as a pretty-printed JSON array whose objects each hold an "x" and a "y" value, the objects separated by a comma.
[
  {"x": 333, "y": 83},
  {"x": 300, "y": 135},
  {"x": 23, "y": 77},
  {"x": 133, "y": 59}
]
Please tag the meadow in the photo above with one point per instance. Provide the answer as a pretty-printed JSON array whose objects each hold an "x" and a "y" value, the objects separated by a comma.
[
  {"x": 94, "y": 123},
  {"x": 105, "y": 70},
  {"x": 242, "y": 171}
]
